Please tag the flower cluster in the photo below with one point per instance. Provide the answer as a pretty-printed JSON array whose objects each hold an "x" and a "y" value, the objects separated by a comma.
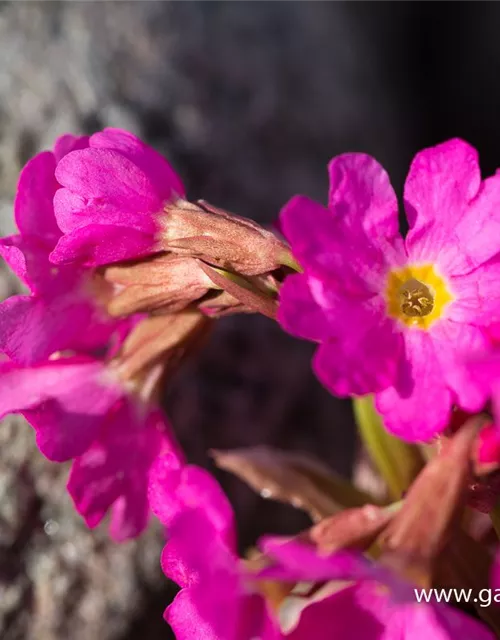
[
  {"x": 347, "y": 596},
  {"x": 125, "y": 278}
]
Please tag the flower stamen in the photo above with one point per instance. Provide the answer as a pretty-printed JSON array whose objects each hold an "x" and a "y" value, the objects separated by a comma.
[
  {"x": 417, "y": 295},
  {"x": 416, "y": 299}
]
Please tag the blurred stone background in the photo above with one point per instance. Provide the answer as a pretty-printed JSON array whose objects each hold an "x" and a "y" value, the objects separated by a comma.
[{"x": 248, "y": 100}]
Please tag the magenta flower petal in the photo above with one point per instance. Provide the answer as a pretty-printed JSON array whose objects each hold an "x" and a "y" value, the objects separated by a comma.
[
  {"x": 12, "y": 252},
  {"x": 186, "y": 531},
  {"x": 452, "y": 341},
  {"x": 449, "y": 209},
  {"x": 357, "y": 328},
  {"x": 440, "y": 185},
  {"x": 251, "y": 621},
  {"x": 80, "y": 385},
  {"x": 478, "y": 230},
  {"x": 114, "y": 471},
  {"x": 33, "y": 327},
  {"x": 347, "y": 614},
  {"x": 489, "y": 445},
  {"x": 174, "y": 487},
  {"x": 484, "y": 369},
  {"x": 61, "y": 314},
  {"x": 297, "y": 561},
  {"x": 112, "y": 193},
  {"x": 419, "y": 404},
  {"x": 477, "y": 295},
  {"x": 200, "y": 556},
  {"x": 337, "y": 248},
  {"x": 362, "y": 195},
  {"x": 345, "y": 317},
  {"x": 99, "y": 244},
  {"x": 299, "y": 313},
  {"x": 309, "y": 227},
  {"x": 165, "y": 477},
  {"x": 350, "y": 377},
  {"x": 28, "y": 258},
  {"x": 185, "y": 618},
  {"x": 67, "y": 143},
  {"x": 439, "y": 622},
  {"x": 64, "y": 400},
  {"x": 215, "y": 594},
  {"x": 166, "y": 182},
  {"x": 391, "y": 614},
  {"x": 176, "y": 566},
  {"x": 227, "y": 619},
  {"x": 62, "y": 435},
  {"x": 104, "y": 187},
  {"x": 33, "y": 207},
  {"x": 25, "y": 337},
  {"x": 364, "y": 204}
]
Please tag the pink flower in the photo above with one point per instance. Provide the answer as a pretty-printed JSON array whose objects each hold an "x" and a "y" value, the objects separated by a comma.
[
  {"x": 484, "y": 369},
  {"x": 64, "y": 309},
  {"x": 81, "y": 410},
  {"x": 215, "y": 601},
  {"x": 94, "y": 411},
  {"x": 219, "y": 597},
  {"x": 378, "y": 606},
  {"x": 111, "y": 193},
  {"x": 120, "y": 200},
  {"x": 113, "y": 473},
  {"x": 394, "y": 317}
]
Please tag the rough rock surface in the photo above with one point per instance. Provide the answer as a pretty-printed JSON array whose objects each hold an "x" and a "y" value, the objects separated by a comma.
[{"x": 249, "y": 101}]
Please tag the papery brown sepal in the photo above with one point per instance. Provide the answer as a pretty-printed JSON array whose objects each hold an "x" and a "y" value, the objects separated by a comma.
[{"x": 219, "y": 238}]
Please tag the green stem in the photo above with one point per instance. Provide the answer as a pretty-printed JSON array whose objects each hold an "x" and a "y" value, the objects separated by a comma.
[
  {"x": 398, "y": 462},
  {"x": 288, "y": 260}
]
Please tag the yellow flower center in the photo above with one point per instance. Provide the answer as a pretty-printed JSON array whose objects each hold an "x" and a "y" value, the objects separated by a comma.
[{"x": 417, "y": 295}]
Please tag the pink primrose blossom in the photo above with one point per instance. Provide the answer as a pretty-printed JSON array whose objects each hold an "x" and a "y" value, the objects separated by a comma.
[
  {"x": 394, "y": 317},
  {"x": 110, "y": 195},
  {"x": 484, "y": 369},
  {"x": 63, "y": 310},
  {"x": 62, "y": 370},
  {"x": 219, "y": 597},
  {"x": 368, "y": 601},
  {"x": 215, "y": 601},
  {"x": 80, "y": 410},
  {"x": 113, "y": 473}
]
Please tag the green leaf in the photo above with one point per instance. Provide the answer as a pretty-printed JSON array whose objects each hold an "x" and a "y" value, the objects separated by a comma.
[{"x": 398, "y": 462}]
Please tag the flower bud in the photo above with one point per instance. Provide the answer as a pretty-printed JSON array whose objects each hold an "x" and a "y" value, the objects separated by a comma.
[
  {"x": 219, "y": 238},
  {"x": 166, "y": 282}
]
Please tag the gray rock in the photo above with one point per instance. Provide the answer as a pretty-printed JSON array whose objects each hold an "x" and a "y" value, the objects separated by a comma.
[{"x": 58, "y": 579}]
